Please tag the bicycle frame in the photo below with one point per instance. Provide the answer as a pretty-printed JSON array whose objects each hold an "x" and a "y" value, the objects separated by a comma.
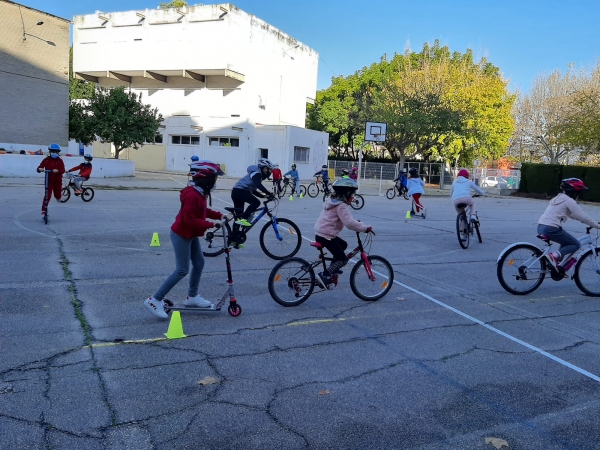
[
  {"x": 359, "y": 249},
  {"x": 268, "y": 211}
]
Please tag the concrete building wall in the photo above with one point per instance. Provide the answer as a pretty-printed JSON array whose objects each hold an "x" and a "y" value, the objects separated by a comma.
[
  {"x": 34, "y": 77},
  {"x": 147, "y": 157},
  {"x": 25, "y": 166}
]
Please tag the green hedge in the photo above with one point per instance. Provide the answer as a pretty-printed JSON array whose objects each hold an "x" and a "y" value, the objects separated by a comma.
[{"x": 545, "y": 179}]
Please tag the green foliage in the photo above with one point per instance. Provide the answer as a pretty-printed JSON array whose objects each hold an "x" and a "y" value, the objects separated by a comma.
[
  {"x": 81, "y": 124},
  {"x": 78, "y": 89},
  {"x": 173, "y": 4},
  {"x": 122, "y": 119},
  {"x": 546, "y": 178}
]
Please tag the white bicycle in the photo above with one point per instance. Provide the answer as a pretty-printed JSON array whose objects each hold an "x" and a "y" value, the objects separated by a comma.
[{"x": 522, "y": 267}]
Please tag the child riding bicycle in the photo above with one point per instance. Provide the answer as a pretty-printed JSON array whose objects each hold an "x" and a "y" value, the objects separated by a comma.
[
  {"x": 85, "y": 170},
  {"x": 401, "y": 181},
  {"x": 190, "y": 224},
  {"x": 324, "y": 174},
  {"x": 55, "y": 164},
  {"x": 293, "y": 173},
  {"x": 561, "y": 208},
  {"x": 245, "y": 190},
  {"x": 334, "y": 216},
  {"x": 461, "y": 193}
]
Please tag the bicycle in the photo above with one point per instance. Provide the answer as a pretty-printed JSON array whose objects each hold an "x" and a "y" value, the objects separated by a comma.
[
  {"x": 292, "y": 281},
  {"x": 87, "y": 193},
  {"x": 397, "y": 190},
  {"x": 317, "y": 187},
  {"x": 465, "y": 225},
  {"x": 522, "y": 267},
  {"x": 356, "y": 203},
  {"x": 291, "y": 184},
  {"x": 277, "y": 190},
  {"x": 285, "y": 241}
]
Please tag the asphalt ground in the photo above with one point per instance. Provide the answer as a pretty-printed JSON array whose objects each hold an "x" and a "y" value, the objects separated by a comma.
[{"x": 445, "y": 360}]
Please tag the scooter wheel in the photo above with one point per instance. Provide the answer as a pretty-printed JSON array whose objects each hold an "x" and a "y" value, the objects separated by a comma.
[
  {"x": 167, "y": 303},
  {"x": 234, "y": 309}
]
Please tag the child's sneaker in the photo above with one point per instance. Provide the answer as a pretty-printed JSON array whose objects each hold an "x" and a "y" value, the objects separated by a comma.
[
  {"x": 197, "y": 301},
  {"x": 156, "y": 307},
  {"x": 555, "y": 257},
  {"x": 474, "y": 218},
  {"x": 424, "y": 212},
  {"x": 323, "y": 280},
  {"x": 78, "y": 191},
  {"x": 243, "y": 222}
]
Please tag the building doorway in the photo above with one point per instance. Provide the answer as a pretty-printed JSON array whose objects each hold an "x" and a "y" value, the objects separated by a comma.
[{"x": 264, "y": 153}]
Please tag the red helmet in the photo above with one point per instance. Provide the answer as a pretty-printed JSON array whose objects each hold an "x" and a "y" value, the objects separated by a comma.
[
  {"x": 205, "y": 169},
  {"x": 463, "y": 173},
  {"x": 572, "y": 185}
]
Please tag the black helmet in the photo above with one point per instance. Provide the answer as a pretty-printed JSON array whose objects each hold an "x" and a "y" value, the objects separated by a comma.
[
  {"x": 324, "y": 166},
  {"x": 345, "y": 172},
  {"x": 413, "y": 171}
]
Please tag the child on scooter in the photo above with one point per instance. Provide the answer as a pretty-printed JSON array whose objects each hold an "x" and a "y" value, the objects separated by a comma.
[
  {"x": 190, "y": 224},
  {"x": 57, "y": 166},
  {"x": 85, "y": 170}
]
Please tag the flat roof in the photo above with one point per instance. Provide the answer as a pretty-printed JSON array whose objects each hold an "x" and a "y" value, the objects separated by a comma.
[{"x": 37, "y": 10}]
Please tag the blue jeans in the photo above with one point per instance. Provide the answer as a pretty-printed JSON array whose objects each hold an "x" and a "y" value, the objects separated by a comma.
[
  {"x": 186, "y": 250},
  {"x": 568, "y": 244}
]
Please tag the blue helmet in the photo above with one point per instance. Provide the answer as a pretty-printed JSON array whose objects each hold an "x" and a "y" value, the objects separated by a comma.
[
  {"x": 88, "y": 156},
  {"x": 195, "y": 158},
  {"x": 54, "y": 148}
]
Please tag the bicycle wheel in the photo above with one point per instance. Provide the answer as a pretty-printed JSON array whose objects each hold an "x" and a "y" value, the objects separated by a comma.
[
  {"x": 462, "y": 230},
  {"x": 213, "y": 241},
  {"x": 405, "y": 194},
  {"x": 291, "y": 239},
  {"x": 476, "y": 226},
  {"x": 302, "y": 190},
  {"x": 520, "y": 269},
  {"x": 587, "y": 273},
  {"x": 369, "y": 289},
  {"x": 65, "y": 195},
  {"x": 313, "y": 190},
  {"x": 87, "y": 194},
  {"x": 283, "y": 191},
  {"x": 291, "y": 281},
  {"x": 390, "y": 193},
  {"x": 357, "y": 202}
]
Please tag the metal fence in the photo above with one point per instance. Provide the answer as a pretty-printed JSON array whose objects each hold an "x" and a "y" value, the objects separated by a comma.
[
  {"x": 492, "y": 178},
  {"x": 430, "y": 172}
]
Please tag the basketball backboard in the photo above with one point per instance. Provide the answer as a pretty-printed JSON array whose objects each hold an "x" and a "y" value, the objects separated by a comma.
[{"x": 375, "y": 132}]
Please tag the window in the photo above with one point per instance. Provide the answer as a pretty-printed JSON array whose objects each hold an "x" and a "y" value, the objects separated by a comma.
[
  {"x": 185, "y": 140},
  {"x": 264, "y": 152},
  {"x": 301, "y": 154},
  {"x": 158, "y": 139},
  {"x": 224, "y": 142}
]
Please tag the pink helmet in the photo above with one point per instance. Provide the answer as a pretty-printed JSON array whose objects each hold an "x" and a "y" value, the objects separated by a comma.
[
  {"x": 205, "y": 169},
  {"x": 354, "y": 169},
  {"x": 463, "y": 173}
]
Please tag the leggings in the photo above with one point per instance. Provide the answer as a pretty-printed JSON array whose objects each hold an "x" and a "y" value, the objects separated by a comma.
[
  {"x": 242, "y": 196},
  {"x": 186, "y": 250},
  {"x": 336, "y": 247},
  {"x": 568, "y": 244},
  {"x": 417, "y": 199},
  {"x": 53, "y": 187}
]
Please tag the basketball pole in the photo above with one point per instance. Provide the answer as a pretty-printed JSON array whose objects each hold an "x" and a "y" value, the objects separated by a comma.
[{"x": 360, "y": 156}]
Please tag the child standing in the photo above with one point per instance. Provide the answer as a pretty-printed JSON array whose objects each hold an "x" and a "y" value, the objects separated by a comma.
[
  {"x": 334, "y": 217},
  {"x": 190, "y": 224},
  {"x": 85, "y": 170},
  {"x": 277, "y": 177},
  {"x": 57, "y": 166},
  {"x": 415, "y": 188}
]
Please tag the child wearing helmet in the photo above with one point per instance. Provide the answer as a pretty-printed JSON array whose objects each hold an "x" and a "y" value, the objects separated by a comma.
[
  {"x": 561, "y": 208},
  {"x": 332, "y": 220},
  {"x": 345, "y": 173},
  {"x": 85, "y": 170},
  {"x": 245, "y": 190},
  {"x": 402, "y": 180},
  {"x": 324, "y": 174},
  {"x": 277, "y": 177},
  {"x": 54, "y": 163},
  {"x": 461, "y": 192},
  {"x": 415, "y": 188},
  {"x": 293, "y": 174},
  {"x": 190, "y": 224},
  {"x": 354, "y": 174}
]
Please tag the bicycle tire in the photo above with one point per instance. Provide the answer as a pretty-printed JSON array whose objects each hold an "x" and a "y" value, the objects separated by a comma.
[
  {"x": 507, "y": 263},
  {"x": 302, "y": 190},
  {"x": 357, "y": 202},
  {"x": 390, "y": 193},
  {"x": 291, "y": 281},
  {"x": 283, "y": 191},
  {"x": 461, "y": 224},
  {"x": 588, "y": 283},
  {"x": 65, "y": 195},
  {"x": 313, "y": 190},
  {"x": 214, "y": 241},
  {"x": 405, "y": 194},
  {"x": 379, "y": 266},
  {"x": 477, "y": 230},
  {"x": 87, "y": 194},
  {"x": 292, "y": 239}
]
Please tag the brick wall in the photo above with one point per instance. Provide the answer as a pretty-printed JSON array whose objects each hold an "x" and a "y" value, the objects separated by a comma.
[{"x": 34, "y": 77}]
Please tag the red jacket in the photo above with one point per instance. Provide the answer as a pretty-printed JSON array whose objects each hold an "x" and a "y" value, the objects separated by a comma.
[
  {"x": 191, "y": 220},
  {"x": 85, "y": 170},
  {"x": 50, "y": 164},
  {"x": 276, "y": 174}
]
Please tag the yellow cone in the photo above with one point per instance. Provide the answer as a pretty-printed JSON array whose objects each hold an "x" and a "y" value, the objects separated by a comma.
[
  {"x": 301, "y": 195},
  {"x": 155, "y": 241},
  {"x": 407, "y": 215},
  {"x": 175, "y": 330},
  {"x": 292, "y": 198}
]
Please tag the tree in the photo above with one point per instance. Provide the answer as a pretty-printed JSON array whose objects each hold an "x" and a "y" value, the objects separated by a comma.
[
  {"x": 81, "y": 123},
  {"x": 78, "y": 89},
  {"x": 173, "y": 4},
  {"x": 122, "y": 119}
]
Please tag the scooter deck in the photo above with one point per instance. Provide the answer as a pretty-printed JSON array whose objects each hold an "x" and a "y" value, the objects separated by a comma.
[{"x": 180, "y": 307}]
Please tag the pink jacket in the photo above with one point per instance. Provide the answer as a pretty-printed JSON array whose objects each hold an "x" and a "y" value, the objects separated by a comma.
[
  {"x": 334, "y": 217},
  {"x": 563, "y": 207}
]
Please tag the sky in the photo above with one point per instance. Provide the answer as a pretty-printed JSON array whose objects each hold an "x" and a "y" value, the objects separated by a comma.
[{"x": 524, "y": 38}]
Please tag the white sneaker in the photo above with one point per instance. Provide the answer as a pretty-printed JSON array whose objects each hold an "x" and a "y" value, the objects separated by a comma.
[
  {"x": 197, "y": 301},
  {"x": 474, "y": 218},
  {"x": 156, "y": 307}
]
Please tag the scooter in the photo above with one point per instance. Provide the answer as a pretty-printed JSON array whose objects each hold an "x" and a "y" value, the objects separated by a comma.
[
  {"x": 46, "y": 198},
  {"x": 234, "y": 308}
]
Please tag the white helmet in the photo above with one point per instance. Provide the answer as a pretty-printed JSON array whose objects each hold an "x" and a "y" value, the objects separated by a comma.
[{"x": 264, "y": 162}]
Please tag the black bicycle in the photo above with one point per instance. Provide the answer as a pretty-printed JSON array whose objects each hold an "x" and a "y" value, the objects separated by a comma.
[
  {"x": 87, "y": 193},
  {"x": 290, "y": 186},
  {"x": 356, "y": 203},
  {"x": 466, "y": 226},
  {"x": 284, "y": 240},
  {"x": 398, "y": 190}
]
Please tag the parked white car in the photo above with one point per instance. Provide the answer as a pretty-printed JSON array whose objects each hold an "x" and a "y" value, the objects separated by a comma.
[{"x": 497, "y": 182}]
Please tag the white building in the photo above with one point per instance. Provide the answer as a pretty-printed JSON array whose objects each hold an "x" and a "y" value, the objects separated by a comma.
[{"x": 231, "y": 87}]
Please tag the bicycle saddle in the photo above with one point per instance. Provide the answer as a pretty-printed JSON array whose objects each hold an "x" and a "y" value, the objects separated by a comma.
[
  {"x": 461, "y": 205},
  {"x": 234, "y": 211},
  {"x": 544, "y": 238},
  {"x": 316, "y": 245}
]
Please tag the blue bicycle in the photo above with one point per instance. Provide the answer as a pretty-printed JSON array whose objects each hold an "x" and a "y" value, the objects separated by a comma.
[{"x": 284, "y": 239}]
